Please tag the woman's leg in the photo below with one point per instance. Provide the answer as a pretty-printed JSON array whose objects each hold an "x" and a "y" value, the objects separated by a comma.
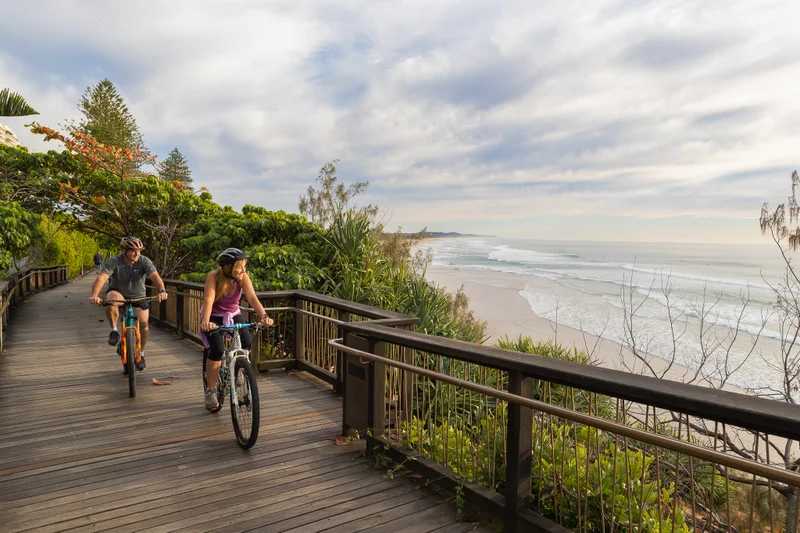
[
  {"x": 216, "y": 349},
  {"x": 244, "y": 334}
]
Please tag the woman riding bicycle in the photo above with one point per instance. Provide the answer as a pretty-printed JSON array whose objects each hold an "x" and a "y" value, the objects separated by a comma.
[{"x": 223, "y": 291}]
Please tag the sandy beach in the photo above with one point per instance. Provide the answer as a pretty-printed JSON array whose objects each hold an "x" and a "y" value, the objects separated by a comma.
[{"x": 495, "y": 298}]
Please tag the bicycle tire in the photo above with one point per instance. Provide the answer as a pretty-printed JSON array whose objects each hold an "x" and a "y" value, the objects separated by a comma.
[
  {"x": 130, "y": 360},
  {"x": 245, "y": 412},
  {"x": 220, "y": 384}
]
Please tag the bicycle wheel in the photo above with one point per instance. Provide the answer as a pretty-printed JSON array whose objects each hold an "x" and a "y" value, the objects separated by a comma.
[
  {"x": 130, "y": 359},
  {"x": 245, "y": 411},
  {"x": 220, "y": 384}
]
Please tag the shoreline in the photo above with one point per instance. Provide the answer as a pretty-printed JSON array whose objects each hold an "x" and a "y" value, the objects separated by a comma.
[{"x": 495, "y": 298}]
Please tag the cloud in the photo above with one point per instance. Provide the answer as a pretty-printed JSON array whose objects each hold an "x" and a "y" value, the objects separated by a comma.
[{"x": 453, "y": 111}]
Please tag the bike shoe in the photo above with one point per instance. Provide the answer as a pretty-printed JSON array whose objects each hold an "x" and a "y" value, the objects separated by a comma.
[
  {"x": 211, "y": 399},
  {"x": 113, "y": 337},
  {"x": 141, "y": 365}
]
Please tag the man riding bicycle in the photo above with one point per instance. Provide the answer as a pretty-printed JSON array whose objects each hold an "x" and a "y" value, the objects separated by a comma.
[{"x": 127, "y": 272}]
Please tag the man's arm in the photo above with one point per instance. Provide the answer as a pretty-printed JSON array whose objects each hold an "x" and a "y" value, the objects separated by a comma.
[
  {"x": 96, "y": 286},
  {"x": 159, "y": 283}
]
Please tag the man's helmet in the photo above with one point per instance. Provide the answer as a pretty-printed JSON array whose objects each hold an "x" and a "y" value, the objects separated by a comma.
[
  {"x": 131, "y": 243},
  {"x": 230, "y": 256}
]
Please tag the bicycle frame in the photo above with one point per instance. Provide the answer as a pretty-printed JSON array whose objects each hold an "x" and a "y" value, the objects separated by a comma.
[
  {"x": 130, "y": 320},
  {"x": 229, "y": 358}
]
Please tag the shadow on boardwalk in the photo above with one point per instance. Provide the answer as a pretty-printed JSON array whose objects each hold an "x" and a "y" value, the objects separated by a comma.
[{"x": 77, "y": 454}]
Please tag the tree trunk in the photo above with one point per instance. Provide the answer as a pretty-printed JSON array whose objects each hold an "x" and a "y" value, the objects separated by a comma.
[{"x": 791, "y": 512}]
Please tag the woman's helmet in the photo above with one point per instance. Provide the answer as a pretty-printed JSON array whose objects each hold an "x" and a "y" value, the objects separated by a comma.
[
  {"x": 230, "y": 256},
  {"x": 131, "y": 243}
]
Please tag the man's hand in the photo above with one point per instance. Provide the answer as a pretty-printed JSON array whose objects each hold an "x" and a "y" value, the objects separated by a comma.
[
  {"x": 208, "y": 326},
  {"x": 161, "y": 296},
  {"x": 266, "y": 321},
  {"x": 95, "y": 300}
]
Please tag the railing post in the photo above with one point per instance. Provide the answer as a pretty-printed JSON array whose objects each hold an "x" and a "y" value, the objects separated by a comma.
[
  {"x": 344, "y": 316},
  {"x": 518, "y": 452},
  {"x": 299, "y": 330},
  {"x": 376, "y": 403},
  {"x": 364, "y": 390},
  {"x": 179, "y": 305}
]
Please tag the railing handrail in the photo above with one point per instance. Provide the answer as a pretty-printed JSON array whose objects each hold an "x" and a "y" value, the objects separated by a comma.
[
  {"x": 19, "y": 284},
  {"x": 739, "y": 410},
  {"x": 309, "y": 296},
  {"x": 21, "y": 275},
  {"x": 732, "y": 461}
]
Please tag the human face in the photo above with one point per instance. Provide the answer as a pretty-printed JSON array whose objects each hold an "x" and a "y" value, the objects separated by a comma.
[
  {"x": 238, "y": 270},
  {"x": 131, "y": 256}
]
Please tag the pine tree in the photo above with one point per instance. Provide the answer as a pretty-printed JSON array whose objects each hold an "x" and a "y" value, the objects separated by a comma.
[
  {"x": 107, "y": 118},
  {"x": 13, "y": 105},
  {"x": 175, "y": 168}
]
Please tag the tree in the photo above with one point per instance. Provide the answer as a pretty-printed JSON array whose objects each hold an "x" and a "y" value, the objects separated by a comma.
[
  {"x": 787, "y": 307},
  {"x": 13, "y": 105},
  {"x": 107, "y": 118},
  {"x": 108, "y": 197},
  {"x": 323, "y": 204},
  {"x": 175, "y": 168},
  {"x": 19, "y": 230},
  {"x": 714, "y": 365}
]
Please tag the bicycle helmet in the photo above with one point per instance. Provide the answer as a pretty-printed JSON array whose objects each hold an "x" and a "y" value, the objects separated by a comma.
[
  {"x": 230, "y": 256},
  {"x": 131, "y": 243}
]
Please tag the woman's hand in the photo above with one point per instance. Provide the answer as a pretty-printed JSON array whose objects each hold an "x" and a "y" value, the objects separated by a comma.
[
  {"x": 208, "y": 326},
  {"x": 266, "y": 321}
]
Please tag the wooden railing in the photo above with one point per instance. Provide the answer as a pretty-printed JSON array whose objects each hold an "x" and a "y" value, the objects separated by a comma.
[
  {"x": 546, "y": 444},
  {"x": 304, "y": 322},
  {"x": 23, "y": 283}
]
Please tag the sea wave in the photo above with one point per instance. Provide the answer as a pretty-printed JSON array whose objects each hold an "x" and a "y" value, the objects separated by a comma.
[{"x": 695, "y": 277}]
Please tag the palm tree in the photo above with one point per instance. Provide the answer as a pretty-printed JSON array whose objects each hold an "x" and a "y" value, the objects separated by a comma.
[{"x": 13, "y": 105}]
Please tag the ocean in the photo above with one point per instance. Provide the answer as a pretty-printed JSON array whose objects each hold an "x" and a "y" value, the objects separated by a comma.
[{"x": 587, "y": 286}]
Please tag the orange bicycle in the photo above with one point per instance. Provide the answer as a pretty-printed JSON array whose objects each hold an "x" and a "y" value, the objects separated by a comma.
[{"x": 130, "y": 344}]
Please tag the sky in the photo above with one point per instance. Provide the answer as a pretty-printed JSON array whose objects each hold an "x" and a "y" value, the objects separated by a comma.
[{"x": 619, "y": 120}]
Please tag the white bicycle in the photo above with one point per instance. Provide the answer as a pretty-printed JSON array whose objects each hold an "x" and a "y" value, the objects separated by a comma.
[{"x": 236, "y": 377}]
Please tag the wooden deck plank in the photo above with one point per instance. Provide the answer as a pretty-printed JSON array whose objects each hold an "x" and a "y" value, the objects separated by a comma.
[{"x": 77, "y": 454}]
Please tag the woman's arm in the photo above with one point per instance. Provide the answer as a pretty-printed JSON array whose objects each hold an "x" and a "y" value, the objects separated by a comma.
[
  {"x": 209, "y": 291},
  {"x": 250, "y": 295}
]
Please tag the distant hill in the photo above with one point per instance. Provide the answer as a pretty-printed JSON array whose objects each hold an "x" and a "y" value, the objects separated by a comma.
[{"x": 439, "y": 234}]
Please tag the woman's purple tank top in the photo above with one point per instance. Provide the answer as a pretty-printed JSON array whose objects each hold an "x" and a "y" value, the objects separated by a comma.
[{"x": 228, "y": 303}]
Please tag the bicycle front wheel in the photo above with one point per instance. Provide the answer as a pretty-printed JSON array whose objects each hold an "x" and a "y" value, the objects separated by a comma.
[
  {"x": 130, "y": 360},
  {"x": 245, "y": 410}
]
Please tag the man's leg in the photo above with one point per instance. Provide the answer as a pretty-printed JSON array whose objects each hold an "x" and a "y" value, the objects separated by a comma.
[
  {"x": 112, "y": 314},
  {"x": 144, "y": 328}
]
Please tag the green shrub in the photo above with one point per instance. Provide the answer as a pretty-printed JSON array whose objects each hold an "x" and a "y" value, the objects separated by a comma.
[{"x": 64, "y": 246}]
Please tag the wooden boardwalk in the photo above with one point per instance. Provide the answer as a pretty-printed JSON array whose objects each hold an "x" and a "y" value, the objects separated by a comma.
[{"x": 77, "y": 454}]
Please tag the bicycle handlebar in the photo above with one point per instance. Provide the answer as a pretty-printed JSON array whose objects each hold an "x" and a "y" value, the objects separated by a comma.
[
  {"x": 254, "y": 325},
  {"x": 232, "y": 327},
  {"x": 126, "y": 300}
]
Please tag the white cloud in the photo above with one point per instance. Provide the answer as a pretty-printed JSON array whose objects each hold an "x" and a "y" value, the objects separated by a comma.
[{"x": 453, "y": 111}]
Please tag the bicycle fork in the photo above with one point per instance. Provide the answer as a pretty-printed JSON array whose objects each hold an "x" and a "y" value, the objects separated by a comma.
[
  {"x": 232, "y": 377},
  {"x": 123, "y": 344}
]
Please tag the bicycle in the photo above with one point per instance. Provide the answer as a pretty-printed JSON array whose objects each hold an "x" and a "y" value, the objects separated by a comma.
[
  {"x": 130, "y": 343},
  {"x": 237, "y": 377}
]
